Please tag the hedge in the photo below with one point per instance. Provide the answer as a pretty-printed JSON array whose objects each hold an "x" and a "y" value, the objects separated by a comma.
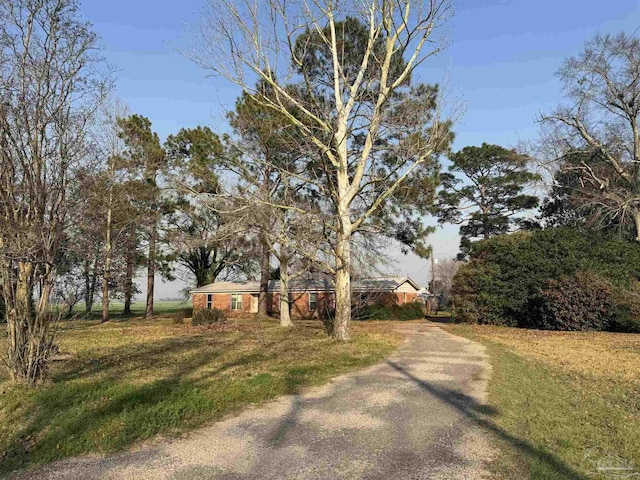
[{"x": 408, "y": 311}]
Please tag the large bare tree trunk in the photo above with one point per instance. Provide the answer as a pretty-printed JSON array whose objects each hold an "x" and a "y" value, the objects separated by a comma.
[
  {"x": 263, "y": 296},
  {"x": 18, "y": 325},
  {"x": 636, "y": 221},
  {"x": 285, "y": 314},
  {"x": 342, "y": 320},
  {"x": 151, "y": 270}
]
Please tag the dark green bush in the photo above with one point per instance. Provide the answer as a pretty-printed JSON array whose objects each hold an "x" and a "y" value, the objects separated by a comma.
[
  {"x": 582, "y": 302},
  {"x": 627, "y": 302},
  {"x": 470, "y": 303},
  {"x": 409, "y": 311},
  {"x": 208, "y": 317},
  {"x": 506, "y": 272},
  {"x": 371, "y": 312}
]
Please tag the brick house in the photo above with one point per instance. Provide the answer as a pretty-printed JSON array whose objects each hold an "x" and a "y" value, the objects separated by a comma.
[{"x": 309, "y": 297}]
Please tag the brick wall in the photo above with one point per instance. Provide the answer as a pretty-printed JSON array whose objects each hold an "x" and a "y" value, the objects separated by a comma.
[
  {"x": 222, "y": 301},
  {"x": 300, "y": 302},
  {"x": 199, "y": 301},
  {"x": 406, "y": 297},
  {"x": 299, "y": 307}
]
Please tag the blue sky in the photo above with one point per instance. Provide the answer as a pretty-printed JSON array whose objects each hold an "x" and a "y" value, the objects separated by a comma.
[{"x": 500, "y": 63}]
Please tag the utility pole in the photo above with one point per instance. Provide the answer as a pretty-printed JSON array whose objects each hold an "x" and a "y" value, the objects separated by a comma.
[
  {"x": 433, "y": 281},
  {"x": 433, "y": 273}
]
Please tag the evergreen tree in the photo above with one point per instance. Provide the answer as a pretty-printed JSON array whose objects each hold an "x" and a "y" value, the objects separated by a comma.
[{"x": 484, "y": 191}]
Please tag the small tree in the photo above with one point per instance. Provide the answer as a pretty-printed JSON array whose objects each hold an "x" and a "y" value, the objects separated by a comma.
[
  {"x": 84, "y": 236},
  {"x": 110, "y": 194},
  {"x": 50, "y": 87},
  {"x": 261, "y": 144},
  {"x": 272, "y": 196},
  {"x": 484, "y": 191}
]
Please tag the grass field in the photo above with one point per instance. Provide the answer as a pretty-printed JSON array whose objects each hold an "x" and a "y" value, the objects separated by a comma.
[
  {"x": 120, "y": 382},
  {"x": 137, "y": 308},
  {"x": 567, "y": 404}
]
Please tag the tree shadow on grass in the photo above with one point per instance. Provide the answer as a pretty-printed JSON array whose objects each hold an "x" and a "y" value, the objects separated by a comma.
[
  {"x": 120, "y": 360},
  {"x": 478, "y": 413},
  {"x": 75, "y": 416}
]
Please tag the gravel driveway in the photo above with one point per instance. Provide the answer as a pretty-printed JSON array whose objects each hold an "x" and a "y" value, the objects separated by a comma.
[{"x": 409, "y": 417}]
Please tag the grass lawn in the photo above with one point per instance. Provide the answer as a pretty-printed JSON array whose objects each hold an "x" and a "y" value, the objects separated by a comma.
[
  {"x": 566, "y": 404},
  {"x": 125, "y": 381}
]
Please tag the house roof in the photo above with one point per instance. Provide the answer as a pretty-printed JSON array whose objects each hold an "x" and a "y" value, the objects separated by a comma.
[
  {"x": 381, "y": 284},
  {"x": 317, "y": 283}
]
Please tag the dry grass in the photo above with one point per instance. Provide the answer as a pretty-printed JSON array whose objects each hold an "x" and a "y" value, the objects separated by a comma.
[
  {"x": 570, "y": 399},
  {"x": 597, "y": 353},
  {"x": 118, "y": 383}
]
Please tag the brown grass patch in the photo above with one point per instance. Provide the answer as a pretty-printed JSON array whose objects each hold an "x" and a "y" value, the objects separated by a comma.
[{"x": 597, "y": 353}]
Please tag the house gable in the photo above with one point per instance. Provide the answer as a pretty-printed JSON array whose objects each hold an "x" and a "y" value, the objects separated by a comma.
[{"x": 408, "y": 286}]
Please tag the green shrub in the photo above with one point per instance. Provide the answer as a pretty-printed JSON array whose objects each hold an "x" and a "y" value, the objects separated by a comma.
[
  {"x": 409, "y": 311},
  {"x": 469, "y": 302},
  {"x": 506, "y": 272},
  {"x": 582, "y": 302},
  {"x": 371, "y": 312},
  {"x": 627, "y": 303},
  {"x": 208, "y": 317}
]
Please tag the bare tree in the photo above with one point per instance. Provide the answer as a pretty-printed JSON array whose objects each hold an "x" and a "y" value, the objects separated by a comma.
[
  {"x": 81, "y": 250},
  {"x": 50, "y": 86},
  {"x": 111, "y": 149},
  {"x": 445, "y": 270},
  {"x": 371, "y": 137},
  {"x": 596, "y": 136},
  {"x": 290, "y": 235}
]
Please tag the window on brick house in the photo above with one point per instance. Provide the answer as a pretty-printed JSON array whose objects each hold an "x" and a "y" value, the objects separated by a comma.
[
  {"x": 209, "y": 301},
  {"x": 313, "y": 301},
  {"x": 236, "y": 301}
]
